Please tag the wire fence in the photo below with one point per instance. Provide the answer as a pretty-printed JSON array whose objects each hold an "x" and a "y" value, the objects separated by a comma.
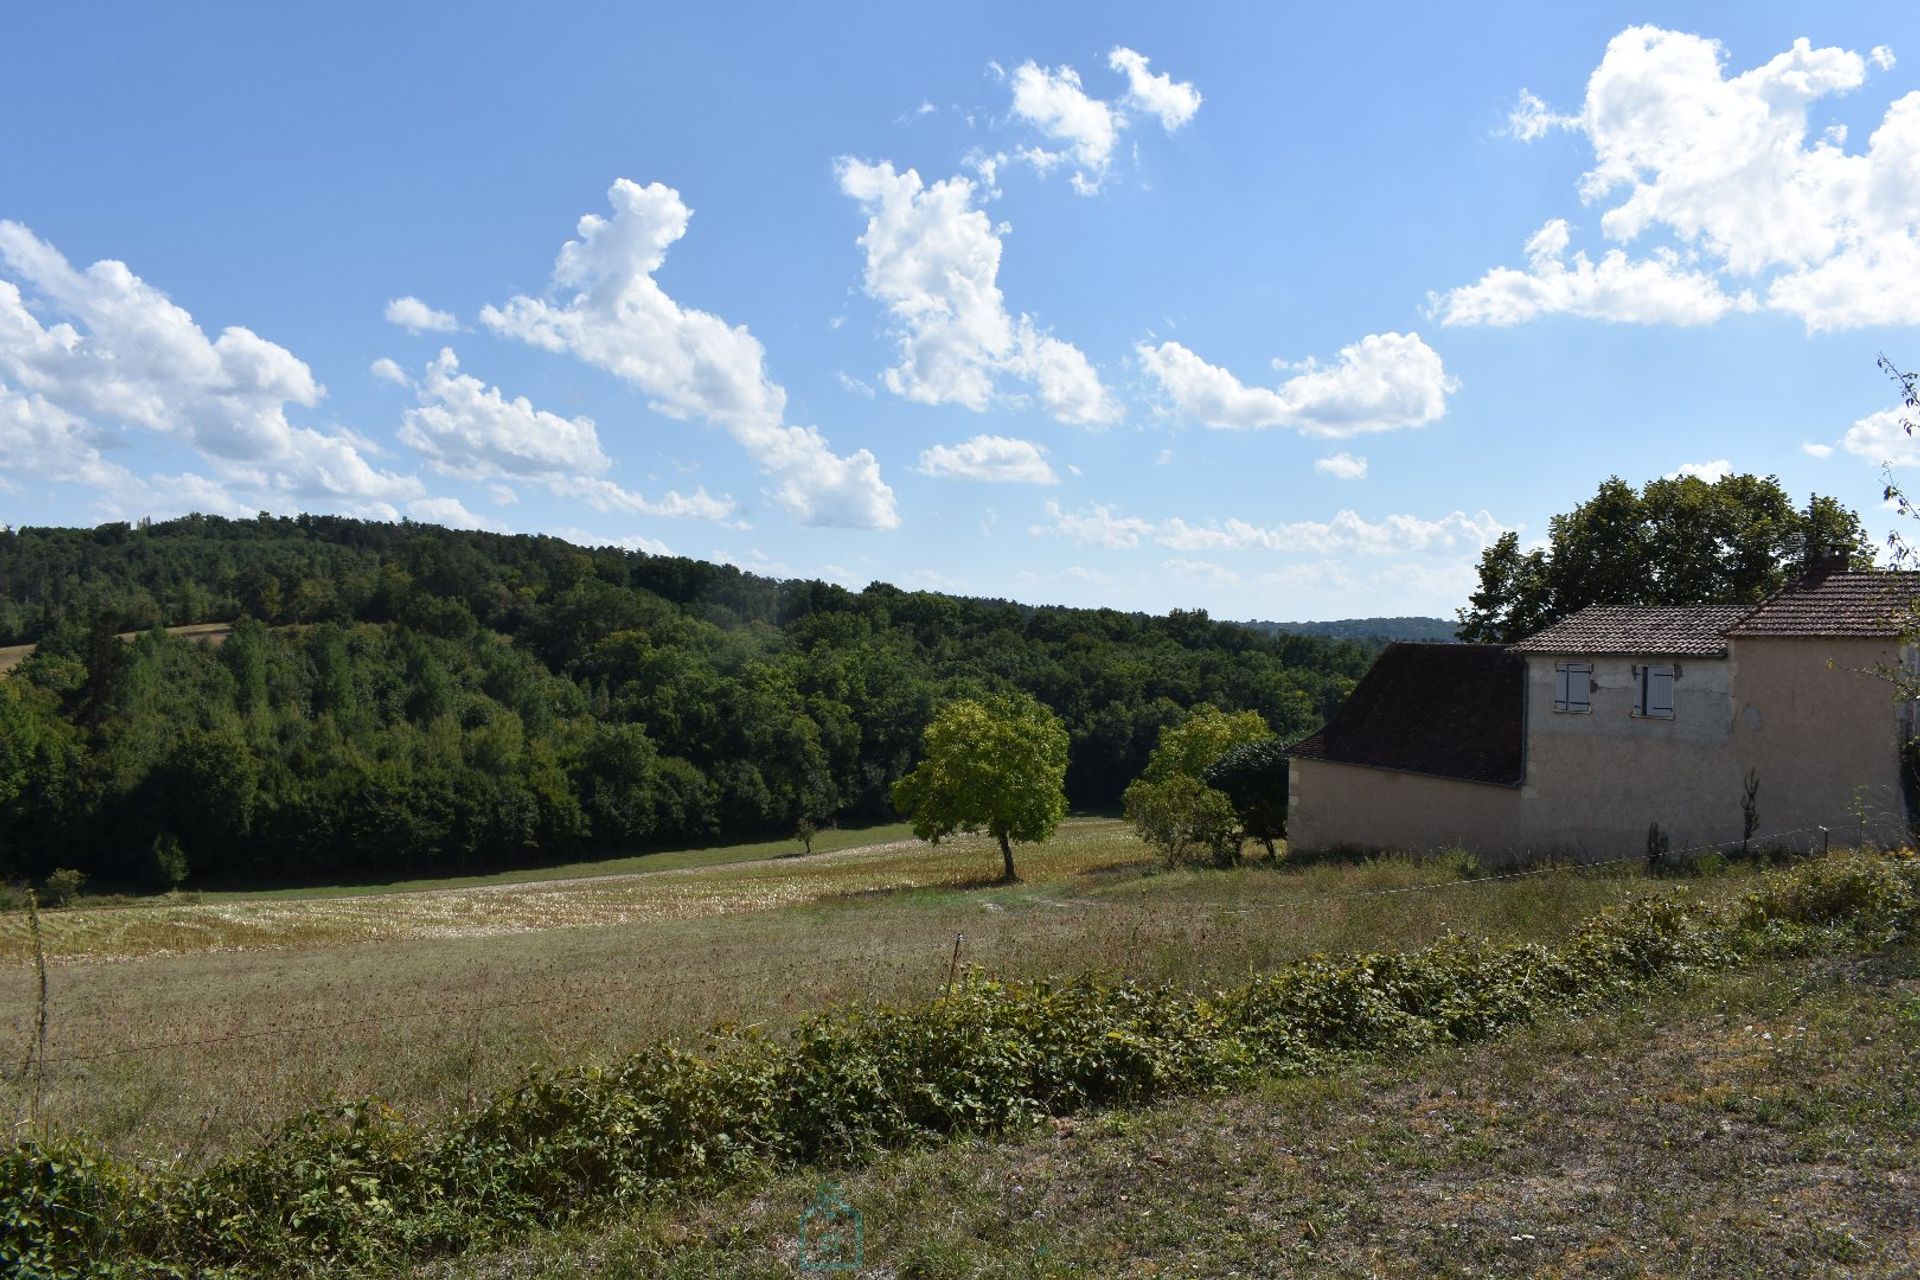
[{"x": 942, "y": 954}]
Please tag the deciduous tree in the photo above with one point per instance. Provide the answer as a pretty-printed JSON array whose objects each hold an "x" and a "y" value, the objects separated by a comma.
[{"x": 997, "y": 765}]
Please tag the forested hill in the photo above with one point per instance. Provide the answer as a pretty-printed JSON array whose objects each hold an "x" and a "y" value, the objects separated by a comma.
[
  {"x": 1378, "y": 632},
  {"x": 405, "y": 698}
]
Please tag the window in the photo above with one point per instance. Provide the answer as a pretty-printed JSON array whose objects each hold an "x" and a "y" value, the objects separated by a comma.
[
  {"x": 1653, "y": 692},
  {"x": 1573, "y": 686}
]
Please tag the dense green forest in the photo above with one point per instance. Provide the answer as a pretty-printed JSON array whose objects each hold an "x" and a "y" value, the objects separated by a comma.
[{"x": 401, "y": 698}]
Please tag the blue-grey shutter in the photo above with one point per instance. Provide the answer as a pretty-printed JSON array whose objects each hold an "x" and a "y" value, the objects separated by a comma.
[
  {"x": 1660, "y": 691},
  {"x": 1562, "y": 686}
]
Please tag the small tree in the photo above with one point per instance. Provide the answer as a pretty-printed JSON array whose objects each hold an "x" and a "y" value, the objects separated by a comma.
[
  {"x": 997, "y": 765},
  {"x": 169, "y": 860},
  {"x": 62, "y": 886},
  {"x": 804, "y": 831},
  {"x": 1253, "y": 777},
  {"x": 1171, "y": 807}
]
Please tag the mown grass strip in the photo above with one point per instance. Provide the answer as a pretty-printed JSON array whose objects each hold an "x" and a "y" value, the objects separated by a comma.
[{"x": 357, "y": 1186}]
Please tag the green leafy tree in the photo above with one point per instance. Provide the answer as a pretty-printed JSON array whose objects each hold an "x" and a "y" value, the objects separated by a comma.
[
  {"x": 1676, "y": 541},
  {"x": 998, "y": 765},
  {"x": 169, "y": 861},
  {"x": 1253, "y": 778},
  {"x": 1171, "y": 807}
]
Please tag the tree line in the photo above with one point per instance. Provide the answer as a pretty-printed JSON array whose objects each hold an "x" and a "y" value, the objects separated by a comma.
[{"x": 400, "y": 699}]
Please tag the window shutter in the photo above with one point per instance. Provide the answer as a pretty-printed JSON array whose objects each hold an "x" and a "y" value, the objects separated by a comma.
[
  {"x": 1563, "y": 679},
  {"x": 1580, "y": 687},
  {"x": 1660, "y": 691}
]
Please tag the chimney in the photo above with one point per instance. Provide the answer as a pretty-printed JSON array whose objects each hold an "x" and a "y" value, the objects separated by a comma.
[{"x": 1825, "y": 559}]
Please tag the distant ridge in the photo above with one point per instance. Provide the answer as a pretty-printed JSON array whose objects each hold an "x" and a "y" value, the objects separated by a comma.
[{"x": 1380, "y": 631}]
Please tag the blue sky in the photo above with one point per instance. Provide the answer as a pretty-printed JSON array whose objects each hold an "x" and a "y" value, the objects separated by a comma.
[{"x": 1280, "y": 312}]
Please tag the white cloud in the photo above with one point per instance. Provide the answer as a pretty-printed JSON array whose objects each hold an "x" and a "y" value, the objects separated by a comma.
[
  {"x": 1531, "y": 119},
  {"x": 1096, "y": 526},
  {"x": 1384, "y": 382},
  {"x": 1052, "y": 101},
  {"x": 1883, "y": 438},
  {"x": 1346, "y": 531},
  {"x": 607, "y": 309},
  {"x": 1342, "y": 466},
  {"x": 996, "y": 458},
  {"x": 416, "y": 316},
  {"x": 1102, "y": 525},
  {"x": 123, "y": 357},
  {"x": 1158, "y": 95},
  {"x": 1712, "y": 472},
  {"x": 1882, "y": 57},
  {"x": 1085, "y": 129},
  {"x": 933, "y": 259},
  {"x": 1743, "y": 187},
  {"x": 389, "y": 371},
  {"x": 467, "y": 429},
  {"x": 1656, "y": 290},
  {"x": 1201, "y": 570},
  {"x": 451, "y": 512},
  {"x": 1164, "y": 458},
  {"x": 1813, "y": 450}
]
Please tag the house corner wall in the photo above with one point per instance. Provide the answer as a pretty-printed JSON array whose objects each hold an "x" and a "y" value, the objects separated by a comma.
[{"x": 1332, "y": 805}]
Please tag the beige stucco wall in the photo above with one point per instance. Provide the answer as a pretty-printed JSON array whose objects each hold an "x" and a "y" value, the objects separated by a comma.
[
  {"x": 1815, "y": 718},
  {"x": 1820, "y": 723},
  {"x": 1596, "y": 780},
  {"x": 1342, "y": 804}
]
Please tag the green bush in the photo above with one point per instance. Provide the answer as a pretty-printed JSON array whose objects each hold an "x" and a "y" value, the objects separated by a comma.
[
  {"x": 62, "y": 887},
  {"x": 356, "y": 1185}
]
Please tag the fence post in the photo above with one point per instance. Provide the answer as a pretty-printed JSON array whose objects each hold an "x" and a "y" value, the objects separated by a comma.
[{"x": 953, "y": 966}]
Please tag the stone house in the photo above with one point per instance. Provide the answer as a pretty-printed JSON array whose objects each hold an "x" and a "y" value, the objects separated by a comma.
[{"x": 1574, "y": 740}]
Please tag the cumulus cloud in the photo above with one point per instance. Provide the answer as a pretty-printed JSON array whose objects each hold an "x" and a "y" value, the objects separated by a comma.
[
  {"x": 1052, "y": 101},
  {"x": 467, "y": 429},
  {"x": 1383, "y": 382},
  {"x": 416, "y": 316},
  {"x": 1883, "y": 438},
  {"x": 1159, "y": 95},
  {"x": 1712, "y": 472},
  {"x": 451, "y": 512},
  {"x": 933, "y": 259},
  {"x": 1732, "y": 174},
  {"x": 1056, "y": 104},
  {"x": 122, "y": 357},
  {"x": 1098, "y": 525},
  {"x": 997, "y": 458},
  {"x": 604, "y": 307},
  {"x": 1813, "y": 450},
  {"x": 1657, "y": 290},
  {"x": 1102, "y": 525},
  {"x": 1342, "y": 466}
]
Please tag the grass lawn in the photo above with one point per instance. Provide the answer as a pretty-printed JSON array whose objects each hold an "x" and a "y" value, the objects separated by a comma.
[
  {"x": 1762, "y": 1124},
  {"x": 179, "y": 1032}
]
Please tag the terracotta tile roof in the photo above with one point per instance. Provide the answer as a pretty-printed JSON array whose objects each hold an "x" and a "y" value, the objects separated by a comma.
[
  {"x": 1681, "y": 631},
  {"x": 1449, "y": 710},
  {"x": 1837, "y": 604}
]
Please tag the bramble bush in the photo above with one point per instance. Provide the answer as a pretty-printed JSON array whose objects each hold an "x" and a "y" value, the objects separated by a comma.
[{"x": 356, "y": 1184}]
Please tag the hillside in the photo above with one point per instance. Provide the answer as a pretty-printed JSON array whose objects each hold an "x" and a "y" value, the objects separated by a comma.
[
  {"x": 405, "y": 699},
  {"x": 1376, "y": 632}
]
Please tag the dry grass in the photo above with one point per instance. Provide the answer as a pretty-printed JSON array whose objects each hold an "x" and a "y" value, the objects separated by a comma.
[
  {"x": 12, "y": 655},
  {"x": 432, "y": 998},
  {"x": 1763, "y": 1125}
]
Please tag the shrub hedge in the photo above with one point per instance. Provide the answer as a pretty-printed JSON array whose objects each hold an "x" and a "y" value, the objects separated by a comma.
[{"x": 355, "y": 1186}]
